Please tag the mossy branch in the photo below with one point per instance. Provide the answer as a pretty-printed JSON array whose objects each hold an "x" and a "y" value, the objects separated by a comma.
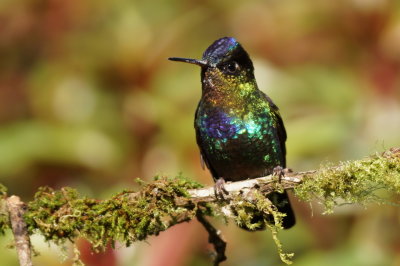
[{"x": 61, "y": 215}]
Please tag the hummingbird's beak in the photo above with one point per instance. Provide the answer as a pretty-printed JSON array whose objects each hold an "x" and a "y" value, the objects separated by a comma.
[{"x": 201, "y": 63}]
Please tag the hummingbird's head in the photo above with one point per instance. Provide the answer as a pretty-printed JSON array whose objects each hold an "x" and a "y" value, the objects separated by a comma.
[{"x": 225, "y": 64}]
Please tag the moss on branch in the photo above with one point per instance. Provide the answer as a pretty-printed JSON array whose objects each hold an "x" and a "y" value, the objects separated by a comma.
[
  {"x": 361, "y": 181},
  {"x": 130, "y": 216},
  {"x": 127, "y": 217},
  {"x": 4, "y": 215}
]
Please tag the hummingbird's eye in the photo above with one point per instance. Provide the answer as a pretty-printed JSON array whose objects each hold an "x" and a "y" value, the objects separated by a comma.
[{"x": 232, "y": 67}]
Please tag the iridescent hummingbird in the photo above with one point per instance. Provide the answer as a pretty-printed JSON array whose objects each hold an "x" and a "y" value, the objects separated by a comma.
[{"x": 239, "y": 130}]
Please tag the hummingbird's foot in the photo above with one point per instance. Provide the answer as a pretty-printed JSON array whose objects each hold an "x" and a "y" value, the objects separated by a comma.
[
  {"x": 281, "y": 172},
  {"x": 219, "y": 189}
]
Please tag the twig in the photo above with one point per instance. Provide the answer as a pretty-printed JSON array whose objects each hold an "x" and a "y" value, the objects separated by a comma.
[
  {"x": 22, "y": 242},
  {"x": 267, "y": 184},
  {"x": 214, "y": 238},
  {"x": 207, "y": 194}
]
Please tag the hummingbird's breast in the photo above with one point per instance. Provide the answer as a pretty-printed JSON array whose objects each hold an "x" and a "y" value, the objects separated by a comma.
[{"x": 237, "y": 143}]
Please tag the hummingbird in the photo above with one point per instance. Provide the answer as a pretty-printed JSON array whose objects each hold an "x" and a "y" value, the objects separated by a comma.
[{"x": 239, "y": 130}]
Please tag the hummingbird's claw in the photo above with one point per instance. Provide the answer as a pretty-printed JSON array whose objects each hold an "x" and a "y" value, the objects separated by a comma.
[
  {"x": 281, "y": 172},
  {"x": 219, "y": 189}
]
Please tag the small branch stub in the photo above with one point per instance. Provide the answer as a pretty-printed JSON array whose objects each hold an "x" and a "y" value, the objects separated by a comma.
[
  {"x": 215, "y": 239},
  {"x": 16, "y": 210}
]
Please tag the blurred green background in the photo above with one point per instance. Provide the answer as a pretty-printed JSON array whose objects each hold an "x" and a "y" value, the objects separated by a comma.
[{"x": 89, "y": 100}]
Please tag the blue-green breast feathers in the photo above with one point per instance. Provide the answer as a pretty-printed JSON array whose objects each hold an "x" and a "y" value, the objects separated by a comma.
[{"x": 237, "y": 144}]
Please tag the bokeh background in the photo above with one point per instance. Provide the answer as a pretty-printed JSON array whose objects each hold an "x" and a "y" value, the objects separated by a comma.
[{"x": 89, "y": 100}]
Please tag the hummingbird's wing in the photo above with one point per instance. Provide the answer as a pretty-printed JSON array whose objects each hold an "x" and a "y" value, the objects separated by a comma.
[
  {"x": 281, "y": 200},
  {"x": 281, "y": 135},
  {"x": 280, "y": 128},
  {"x": 203, "y": 156}
]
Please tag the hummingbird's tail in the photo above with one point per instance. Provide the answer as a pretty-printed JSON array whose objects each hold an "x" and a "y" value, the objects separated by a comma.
[{"x": 281, "y": 201}]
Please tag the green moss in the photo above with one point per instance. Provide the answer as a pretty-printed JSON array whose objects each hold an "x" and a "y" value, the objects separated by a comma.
[
  {"x": 255, "y": 212},
  {"x": 127, "y": 217},
  {"x": 359, "y": 181},
  {"x": 4, "y": 221},
  {"x": 3, "y": 191}
]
